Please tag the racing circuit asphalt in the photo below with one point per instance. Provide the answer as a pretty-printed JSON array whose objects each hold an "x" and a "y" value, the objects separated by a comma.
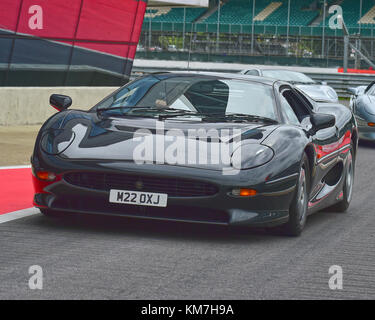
[{"x": 118, "y": 258}]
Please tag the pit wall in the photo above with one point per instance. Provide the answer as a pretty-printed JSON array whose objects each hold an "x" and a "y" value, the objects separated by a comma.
[{"x": 30, "y": 105}]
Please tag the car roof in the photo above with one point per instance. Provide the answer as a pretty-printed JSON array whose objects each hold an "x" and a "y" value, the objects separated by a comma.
[
  {"x": 234, "y": 76},
  {"x": 271, "y": 69},
  {"x": 276, "y": 69}
]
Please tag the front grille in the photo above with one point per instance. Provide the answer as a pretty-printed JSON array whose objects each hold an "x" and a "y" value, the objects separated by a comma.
[{"x": 174, "y": 187}]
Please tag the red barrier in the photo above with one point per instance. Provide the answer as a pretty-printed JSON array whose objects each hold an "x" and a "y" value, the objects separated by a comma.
[
  {"x": 341, "y": 70},
  {"x": 107, "y": 26}
]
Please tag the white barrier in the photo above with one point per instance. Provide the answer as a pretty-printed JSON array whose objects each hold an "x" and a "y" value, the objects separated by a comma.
[{"x": 30, "y": 105}]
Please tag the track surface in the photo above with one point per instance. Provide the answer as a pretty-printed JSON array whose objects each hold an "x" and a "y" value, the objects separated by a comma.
[{"x": 129, "y": 259}]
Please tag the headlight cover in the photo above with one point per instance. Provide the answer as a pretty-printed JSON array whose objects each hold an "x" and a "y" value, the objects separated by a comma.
[
  {"x": 370, "y": 109},
  {"x": 250, "y": 156},
  {"x": 52, "y": 138}
]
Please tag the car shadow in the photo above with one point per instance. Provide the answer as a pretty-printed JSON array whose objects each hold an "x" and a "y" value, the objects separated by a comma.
[
  {"x": 366, "y": 144},
  {"x": 178, "y": 231}
]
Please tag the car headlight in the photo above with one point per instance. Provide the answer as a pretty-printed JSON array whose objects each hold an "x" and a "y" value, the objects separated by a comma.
[
  {"x": 370, "y": 109},
  {"x": 51, "y": 139},
  {"x": 250, "y": 156}
]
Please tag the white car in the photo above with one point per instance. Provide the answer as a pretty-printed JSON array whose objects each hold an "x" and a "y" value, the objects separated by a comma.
[{"x": 318, "y": 92}]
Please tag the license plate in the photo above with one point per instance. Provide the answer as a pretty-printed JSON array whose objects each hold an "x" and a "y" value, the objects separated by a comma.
[{"x": 138, "y": 198}]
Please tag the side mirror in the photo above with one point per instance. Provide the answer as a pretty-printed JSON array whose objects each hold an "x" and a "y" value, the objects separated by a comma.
[
  {"x": 60, "y": 102},
  {"x": 324, "y": 83},
  {"x": 321, "y": 121},
  {"x": 353, "y": 91}
]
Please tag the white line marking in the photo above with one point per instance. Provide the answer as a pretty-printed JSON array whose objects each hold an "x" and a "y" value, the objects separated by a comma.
[
  {"x": 15, "y": 167},
  {"x": 6, "y": 217}
]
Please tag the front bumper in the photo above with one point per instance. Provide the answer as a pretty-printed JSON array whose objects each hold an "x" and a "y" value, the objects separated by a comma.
[
  {"x": 365, "y": 132},
  {"x": 268, "y": 208},
  {"x": 239, "y": 217}
]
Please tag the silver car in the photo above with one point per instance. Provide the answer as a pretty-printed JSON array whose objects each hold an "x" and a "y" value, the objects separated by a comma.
[
  {"x": 318, "y": 92},
  {"x": 362, "y": 103}
]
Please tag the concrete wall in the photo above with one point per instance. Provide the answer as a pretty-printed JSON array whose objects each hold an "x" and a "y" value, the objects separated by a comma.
[{"x": 30, "y": 105}]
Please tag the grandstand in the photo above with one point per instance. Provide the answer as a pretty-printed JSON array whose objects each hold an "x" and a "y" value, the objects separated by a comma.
[
  {"x": 173, "y": 14},
  {"x": 300, "y": 14},
  {"x": 290, "y": 31},
  {"x": 240, "y": 12},
  {"x": 303, "y": 13},
  {"x": 237, "y": 12},
  {"x": 369, "y": 17},
  {"x": 352, "y": 13}
]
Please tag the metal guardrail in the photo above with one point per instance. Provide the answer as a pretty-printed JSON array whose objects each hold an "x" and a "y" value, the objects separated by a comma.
[{"x": 339, "y": 81}]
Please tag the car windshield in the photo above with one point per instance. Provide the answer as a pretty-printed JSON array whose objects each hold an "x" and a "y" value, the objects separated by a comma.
[
  {"x": 198, "y": 94},
  {"x": 289, "y": 76}
]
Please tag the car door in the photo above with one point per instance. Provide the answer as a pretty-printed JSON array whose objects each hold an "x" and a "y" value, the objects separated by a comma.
[{"x": 325, "y": 142}]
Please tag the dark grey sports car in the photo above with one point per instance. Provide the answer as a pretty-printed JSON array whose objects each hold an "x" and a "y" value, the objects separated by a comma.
[
  {"x": 198, "y": 147},
  {"x": 362, "y": 103}
]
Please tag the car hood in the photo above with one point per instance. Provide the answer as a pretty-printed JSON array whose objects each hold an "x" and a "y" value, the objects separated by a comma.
[
  {"x": 319, "y": 93},
  {"x": 172, "y": 142}
]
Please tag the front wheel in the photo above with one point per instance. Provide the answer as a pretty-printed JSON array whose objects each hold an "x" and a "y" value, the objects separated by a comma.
[
  {"x": 343, "y": 205},
  {"x": 298, "y": 207}
]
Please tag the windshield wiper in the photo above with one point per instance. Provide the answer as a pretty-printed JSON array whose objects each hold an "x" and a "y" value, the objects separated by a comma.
[
  {"x": 218, "y": 116},
  {"x": 163, "y": 113},
  {"x": 100, "y": 110},
  {"x": 181, "y": 113},
  {"x": 242, "y": 117}
]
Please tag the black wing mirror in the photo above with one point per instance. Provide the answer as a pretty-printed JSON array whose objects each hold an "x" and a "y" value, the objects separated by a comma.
[
  {"x": 60, "y": 102},
  {"x": 321, "y": 121}
]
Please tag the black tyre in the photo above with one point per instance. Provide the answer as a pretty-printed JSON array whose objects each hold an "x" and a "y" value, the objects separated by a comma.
[
  {"x": 299, "y": 205},
  {"x": 50, "y": 213},
  {"x": 344, "y": 204}
]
